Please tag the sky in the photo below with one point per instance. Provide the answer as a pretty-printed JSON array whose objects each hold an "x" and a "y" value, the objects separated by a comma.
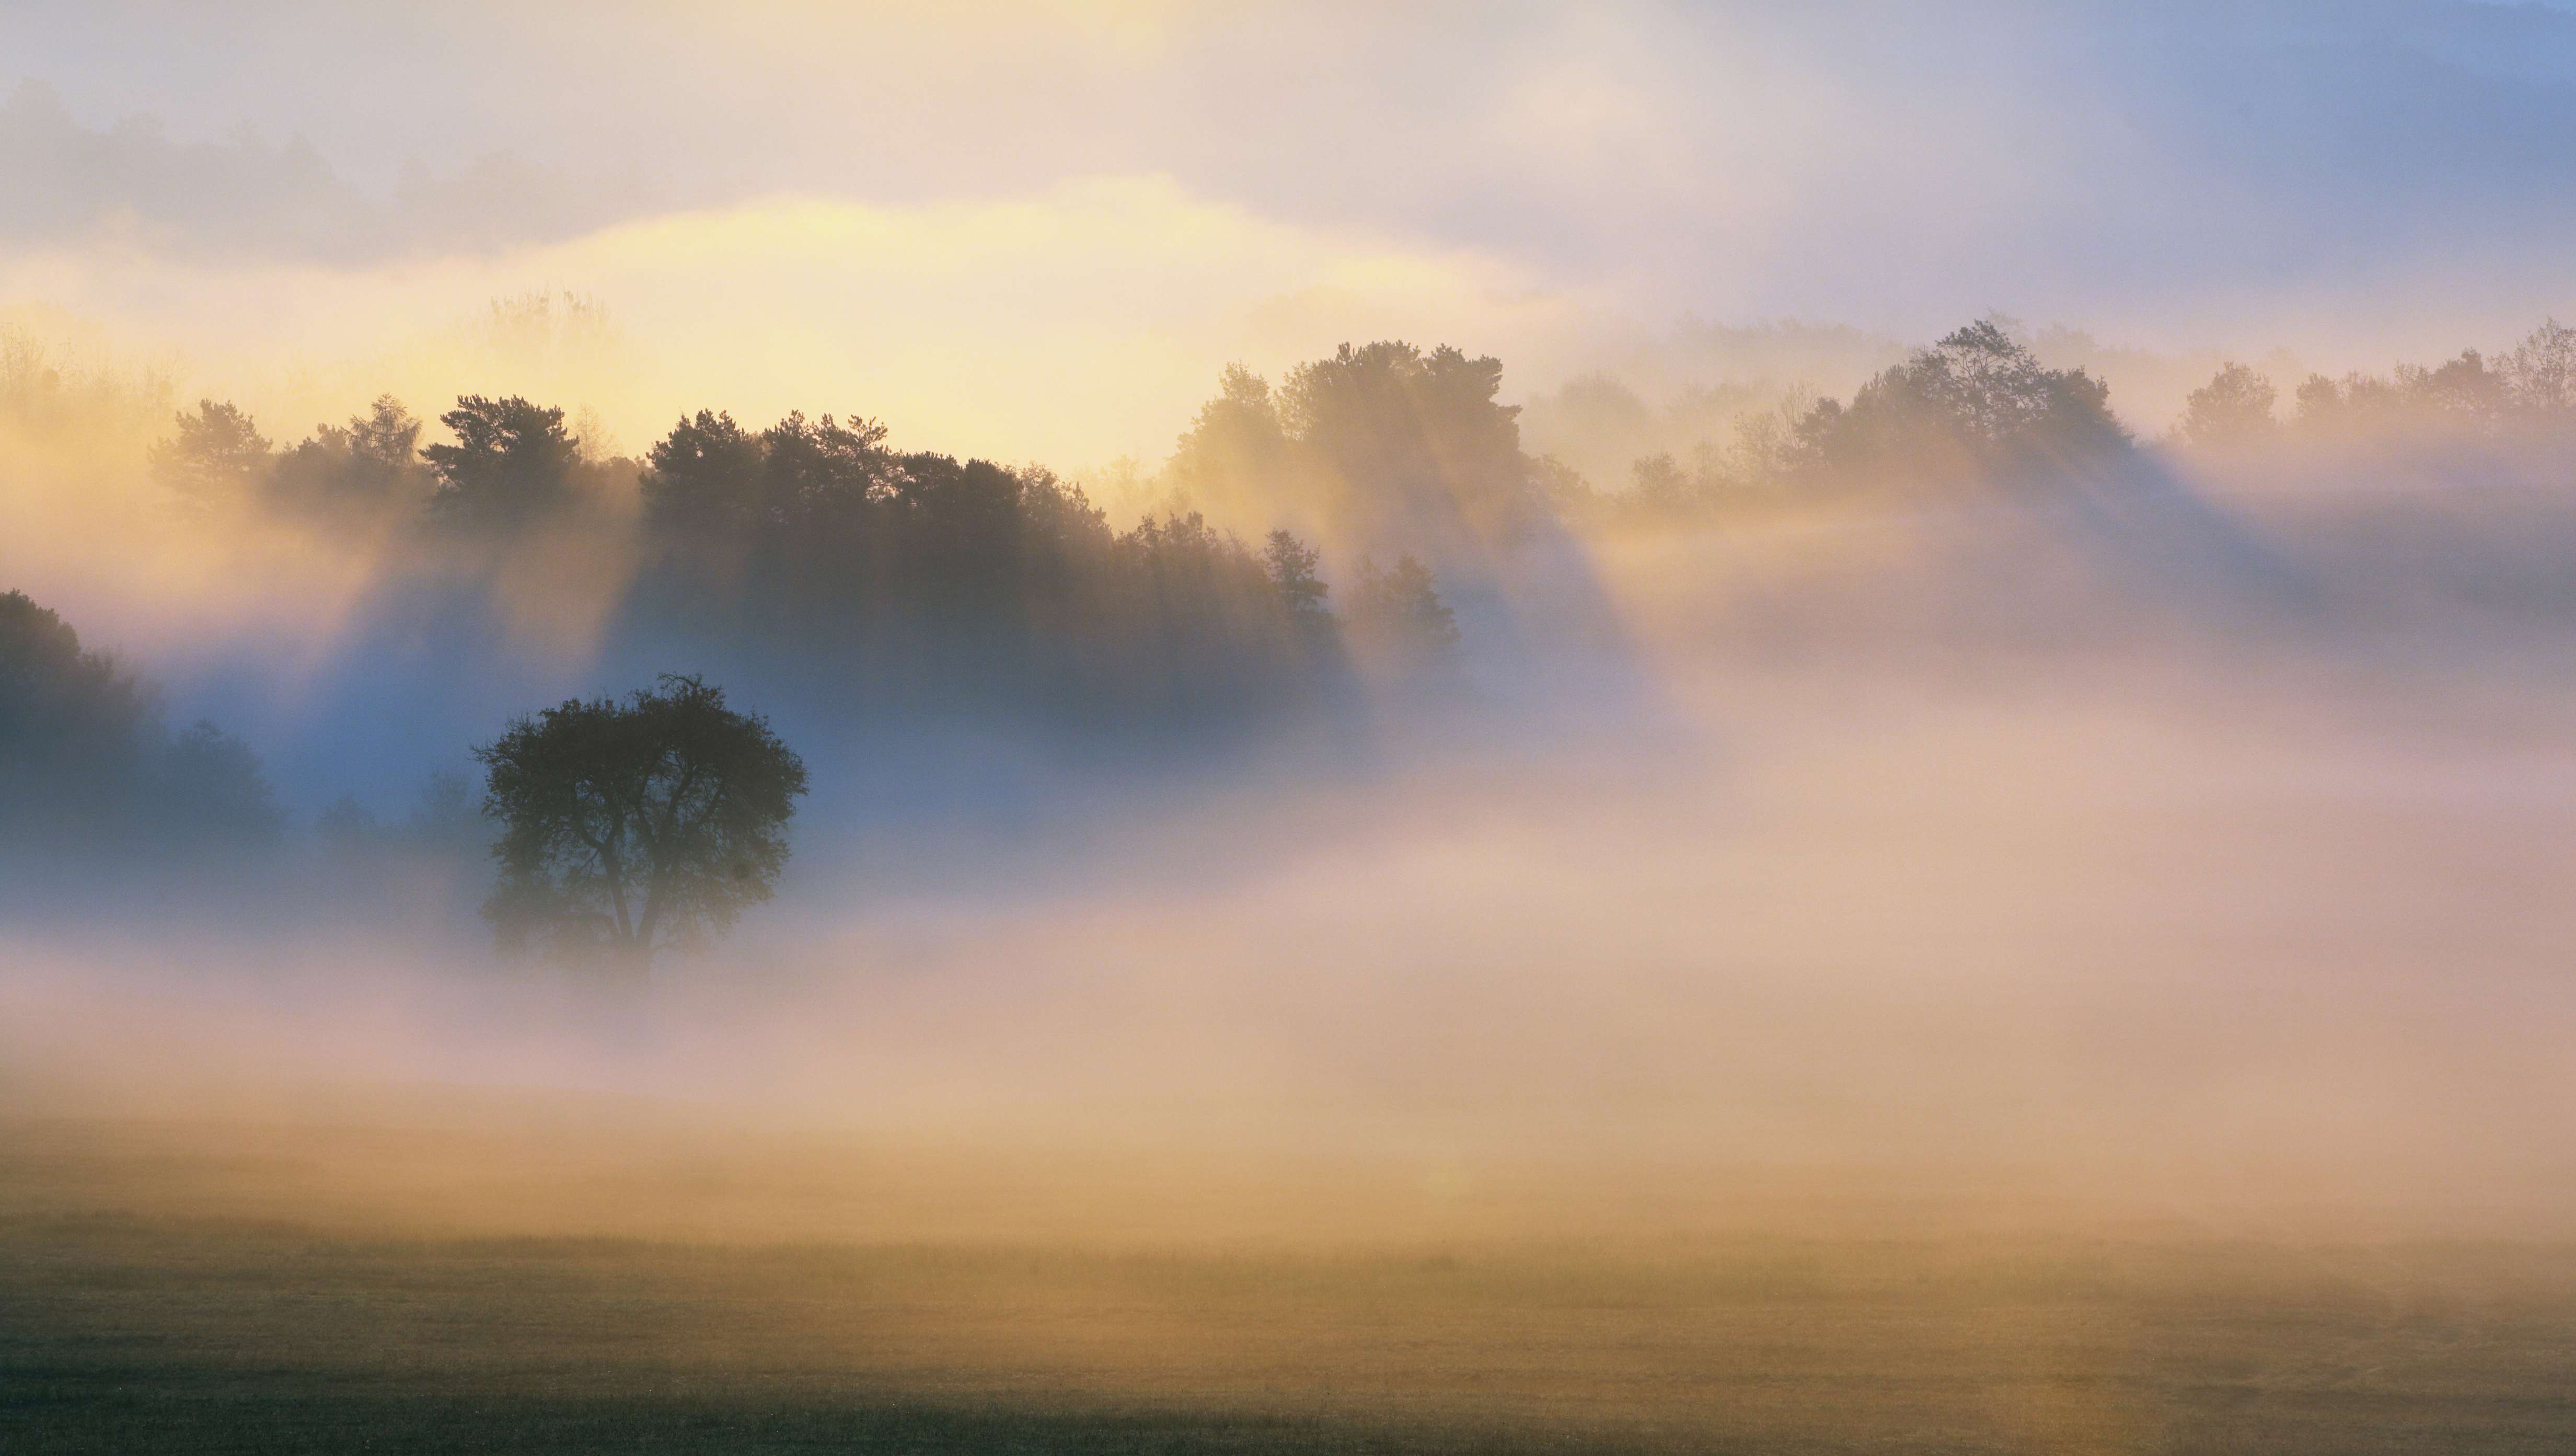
[{"x": 1039, "y": 229}]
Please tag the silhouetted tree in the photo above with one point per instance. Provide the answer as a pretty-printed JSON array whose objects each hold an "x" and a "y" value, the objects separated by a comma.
[
  {"x": 1563, "y": 490},
  {"x": 216, "y": 461},
  {"x": 84, "y": 760},
  {"x": 368, "y": 470},
  {"x": 704, "y": 478},
  {"x": 1975, "y": 403},
  {"x": 1194, "y": 584},
  {"x": 965, "y": 529},
  {"x": 512, "y": 463},
  {"x": 2542, "y": 371},
  {"x": 2460, "y": 398},
  {"x": 1292, "y": 566},
  {"x": 2232, "y": 410},
  {"x": 631, "y": 826},
  {"x": 1236, "y": 462},
  {"x": 2329, "y": 407},
  {"x": 1413, "y": 446},
  {"x": 822, "y": 469},
  {"x": 928, "y": 580},
  {"x": 73, "y": 728},
  {"x": 2463, "y": 392}
]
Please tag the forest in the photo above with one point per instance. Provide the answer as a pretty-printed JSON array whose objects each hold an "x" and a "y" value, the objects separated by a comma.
[{"x": 1301, "y": 556}]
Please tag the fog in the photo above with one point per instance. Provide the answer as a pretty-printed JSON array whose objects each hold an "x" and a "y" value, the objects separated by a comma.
[
  {"x": 2196, "y": 866},
  {"x": 1728, "y": 761}
]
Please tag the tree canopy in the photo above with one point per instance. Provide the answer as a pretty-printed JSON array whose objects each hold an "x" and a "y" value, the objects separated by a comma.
[
  {"x": 632, "y": 826},
  {"x": 86, "y": 764},
  {"x": 937, "y": 581},
  {"x": 215, "y": 460},
  {"x": 1975, "y": 404},
  {"x": 1380, "y": 444},
  {"x": 2233, "y": 409},
  {"x": 512, "y": 463},
  {"x": 359, "y": 473}
]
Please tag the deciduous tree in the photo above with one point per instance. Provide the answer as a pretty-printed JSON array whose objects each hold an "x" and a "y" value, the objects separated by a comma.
[{"x": 632, "y": 826}]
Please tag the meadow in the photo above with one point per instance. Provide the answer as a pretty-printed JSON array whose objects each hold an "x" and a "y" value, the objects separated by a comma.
[{"x": 234, "y": 1288}]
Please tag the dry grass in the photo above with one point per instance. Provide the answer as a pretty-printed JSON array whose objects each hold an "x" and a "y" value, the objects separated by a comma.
[{"x": 156, "y": 1298}]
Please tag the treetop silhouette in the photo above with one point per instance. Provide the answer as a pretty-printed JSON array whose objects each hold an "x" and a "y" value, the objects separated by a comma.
[{"x": 636, "y": 825}]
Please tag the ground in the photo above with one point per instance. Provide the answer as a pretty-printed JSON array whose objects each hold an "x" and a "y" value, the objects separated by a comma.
[{"x": 142, "y": 1311}]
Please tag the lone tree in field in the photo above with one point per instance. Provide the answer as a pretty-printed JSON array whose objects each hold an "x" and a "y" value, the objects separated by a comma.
[{"x": 635, "y": 826}]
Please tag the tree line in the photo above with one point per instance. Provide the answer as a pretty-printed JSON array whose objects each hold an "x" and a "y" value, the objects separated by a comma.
[
  {"x": 813, "y": 553},
  {"x": 2526, "y": 396},
  {"x": 616, "y": 828},
  {"x": 890, "y": 581},
  {"x": 89, "y": 762},
  {"x": 1979, "y": 408},
  {"x": 908, "y": 579}
]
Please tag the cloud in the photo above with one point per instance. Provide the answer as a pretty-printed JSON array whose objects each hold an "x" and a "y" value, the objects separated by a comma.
[
  {"x": 243, "y": 198},
  {"x": 2177, "y": 175},
  {"x": 1071, "y": 325}
]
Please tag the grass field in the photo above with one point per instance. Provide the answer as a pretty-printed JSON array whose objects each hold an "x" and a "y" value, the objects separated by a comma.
[{"x": 160, "y": 1294}]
